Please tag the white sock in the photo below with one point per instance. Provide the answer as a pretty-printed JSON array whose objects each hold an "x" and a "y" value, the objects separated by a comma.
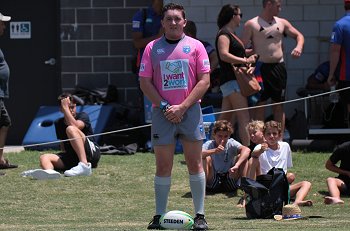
[
  {"x": 197, "y": 184},
  {"x": 162, "y": 189}
]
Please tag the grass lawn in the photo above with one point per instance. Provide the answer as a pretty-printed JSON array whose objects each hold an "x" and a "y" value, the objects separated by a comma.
[{"x": 119, "y": 196}]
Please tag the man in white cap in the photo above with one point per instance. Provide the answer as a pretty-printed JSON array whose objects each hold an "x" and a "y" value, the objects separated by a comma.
[{"x": 5, "y": 120}]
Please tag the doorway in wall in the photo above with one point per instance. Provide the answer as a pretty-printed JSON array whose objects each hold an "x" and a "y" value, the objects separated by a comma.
[{"x": 31, "y": 47}]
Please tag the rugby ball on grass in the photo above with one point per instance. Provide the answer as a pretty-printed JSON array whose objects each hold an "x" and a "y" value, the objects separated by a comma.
[{"x": 176, "y": 219}]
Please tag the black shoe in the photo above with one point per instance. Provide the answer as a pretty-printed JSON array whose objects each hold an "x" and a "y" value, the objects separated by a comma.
[
  {"x": 154, "y": 224},
  {"x": 200, "y": 223}
]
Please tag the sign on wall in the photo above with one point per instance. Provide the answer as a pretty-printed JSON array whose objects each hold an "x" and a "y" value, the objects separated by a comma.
[{"x": 20, "y": 30}]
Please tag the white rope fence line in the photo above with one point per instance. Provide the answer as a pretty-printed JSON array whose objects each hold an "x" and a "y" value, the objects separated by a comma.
[{"x": 148, "y": 125}]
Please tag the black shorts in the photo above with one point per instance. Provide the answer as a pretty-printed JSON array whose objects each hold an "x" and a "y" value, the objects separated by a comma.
[
  {"x": 70, "y": 158},
  {"x": 222, "y": 182},
  {"x": 346, "y": 181},
  {"x": 344, "y": 95},
  {"x": 5, "y": 120},
  {"x": 274, "y": 76}
]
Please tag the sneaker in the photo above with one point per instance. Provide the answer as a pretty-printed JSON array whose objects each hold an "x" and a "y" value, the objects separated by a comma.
[
  {"x": 154, "y": 224},
  {"x": 80, "y": 170},
  {"x": 41, "y": 174},
  {"x": 200, "y": 223}
]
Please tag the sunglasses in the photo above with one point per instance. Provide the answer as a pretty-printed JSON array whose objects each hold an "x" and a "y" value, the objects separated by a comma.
[{"x": 240, "y": 15}]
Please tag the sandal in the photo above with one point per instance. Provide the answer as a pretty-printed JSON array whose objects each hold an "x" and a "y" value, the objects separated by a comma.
[{"x": 7, "y": 165}]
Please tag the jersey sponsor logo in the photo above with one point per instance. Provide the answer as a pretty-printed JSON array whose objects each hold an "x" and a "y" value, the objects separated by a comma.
[
  {"x": 186, "y": 49},
  {"x": 142, "y": 67},
  {"x": 174, "y": 75},
  {"x": 136, "y": 24}
]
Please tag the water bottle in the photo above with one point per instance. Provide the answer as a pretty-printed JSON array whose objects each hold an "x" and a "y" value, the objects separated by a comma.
[{"x": 333, "y": 96}]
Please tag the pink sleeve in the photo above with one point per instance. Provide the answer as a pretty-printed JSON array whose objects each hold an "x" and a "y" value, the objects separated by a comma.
[
  {"x": 203, "y": 64},
  {"x": 146, "y": 68}
]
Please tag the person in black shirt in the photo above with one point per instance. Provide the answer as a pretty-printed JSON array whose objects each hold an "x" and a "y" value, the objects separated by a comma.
[
  {"x": 79, "y": 153},
  {"x": 339, "y": 185}
]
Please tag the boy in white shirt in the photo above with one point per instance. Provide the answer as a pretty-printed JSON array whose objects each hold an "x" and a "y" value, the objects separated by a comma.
[{"x": 278, "y": 154}]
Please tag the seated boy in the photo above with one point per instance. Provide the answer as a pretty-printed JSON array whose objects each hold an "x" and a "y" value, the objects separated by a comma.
[
  {"x": 276, "y": 153},
  {"x": 78, "y": 153},
  {"x": 224, "y": 159},
  {"x": 341, "y": 183}
]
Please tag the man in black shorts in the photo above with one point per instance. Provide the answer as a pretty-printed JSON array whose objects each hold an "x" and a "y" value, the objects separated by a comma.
[
  {"x": 341, "y": 183},
  {"x": 265, "y": 33},
  {"x": 78, "y": 153}
]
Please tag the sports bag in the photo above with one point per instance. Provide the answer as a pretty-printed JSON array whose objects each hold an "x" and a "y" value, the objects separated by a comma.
[{"x": 267, "y": 195}]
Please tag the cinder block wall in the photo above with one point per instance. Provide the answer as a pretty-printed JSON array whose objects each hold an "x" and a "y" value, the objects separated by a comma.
[
  {"x": 97, "y": 46},
  {"x": 314, "y": 18}
]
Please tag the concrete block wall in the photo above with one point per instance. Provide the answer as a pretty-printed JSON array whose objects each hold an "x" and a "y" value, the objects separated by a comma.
[
  {"x": 313, "y": 18},
  {"x": 97, "y": 47}
]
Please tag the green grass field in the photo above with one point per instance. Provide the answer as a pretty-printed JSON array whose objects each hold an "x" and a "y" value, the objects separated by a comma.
[{"x": 119, "y": 196}]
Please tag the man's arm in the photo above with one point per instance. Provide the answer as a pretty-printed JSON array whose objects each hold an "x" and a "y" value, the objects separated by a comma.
[
  {"x": 197, "y": 92},
  {"x": 334, "y": 54},
  {"x": 214, "y": 61},
  {"x": 334, "y": 168},
  {"x": 299, "y": 38},
  {"x": 247, "y": 34},
  {"x": 141, "y": 42},
  {"x": 150, "y": 91}
]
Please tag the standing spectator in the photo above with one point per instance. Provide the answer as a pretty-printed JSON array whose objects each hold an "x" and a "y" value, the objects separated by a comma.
[
  {"x": 146, "y": 27},
  {"x": 265, "y": 33},
  {"x": 5, "y": 120},
  {"x": 191, "y": 30},
  {"x": 340, "y": 53},
  {"x": 232, "y": 52},
  {"x": 340, "y": 184},
  {"x": 174, "y": 75}
]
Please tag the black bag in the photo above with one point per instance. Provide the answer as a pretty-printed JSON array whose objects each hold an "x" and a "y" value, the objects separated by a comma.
[{"x": 267, "y": 195}]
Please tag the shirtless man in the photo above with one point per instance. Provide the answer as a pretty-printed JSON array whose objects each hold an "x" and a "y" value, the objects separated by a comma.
[{"x": 265, "y": 33}]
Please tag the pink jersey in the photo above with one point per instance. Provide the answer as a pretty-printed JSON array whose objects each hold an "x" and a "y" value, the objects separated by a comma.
[{"x": 174, "y": 67}]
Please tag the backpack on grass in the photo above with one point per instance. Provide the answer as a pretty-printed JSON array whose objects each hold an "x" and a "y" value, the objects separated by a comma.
[{"x": 267, "y": 195}]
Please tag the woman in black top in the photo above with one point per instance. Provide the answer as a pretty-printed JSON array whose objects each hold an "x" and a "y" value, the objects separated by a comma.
[{"x": 231, "y": 51}]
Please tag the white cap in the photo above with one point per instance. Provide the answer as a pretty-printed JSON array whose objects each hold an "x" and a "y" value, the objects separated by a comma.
[{"x": 4, "y": 18}]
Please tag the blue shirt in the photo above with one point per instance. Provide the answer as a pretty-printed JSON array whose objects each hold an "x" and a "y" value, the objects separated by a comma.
[
  {"x": 223, "y": 161},
  {"x": 341, "y": 36},
  {"x": 148, "y": 27},
  {"x": 4, "y": 77}
]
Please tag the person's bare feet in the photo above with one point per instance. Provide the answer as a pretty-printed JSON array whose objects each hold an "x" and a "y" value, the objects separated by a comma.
[
  {"x": 241, "y": 202},
  {"x": 332, "y": 200},
  {"x": 304, "y": 203}
]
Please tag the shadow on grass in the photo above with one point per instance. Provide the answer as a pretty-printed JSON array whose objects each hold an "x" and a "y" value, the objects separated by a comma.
[{"x": 228, "y": 194}]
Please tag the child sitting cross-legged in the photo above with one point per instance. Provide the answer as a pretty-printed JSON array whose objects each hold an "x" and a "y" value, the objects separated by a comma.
[
  {"x": 224, "y": 159},
  {"x": 272, "y": 152}
]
